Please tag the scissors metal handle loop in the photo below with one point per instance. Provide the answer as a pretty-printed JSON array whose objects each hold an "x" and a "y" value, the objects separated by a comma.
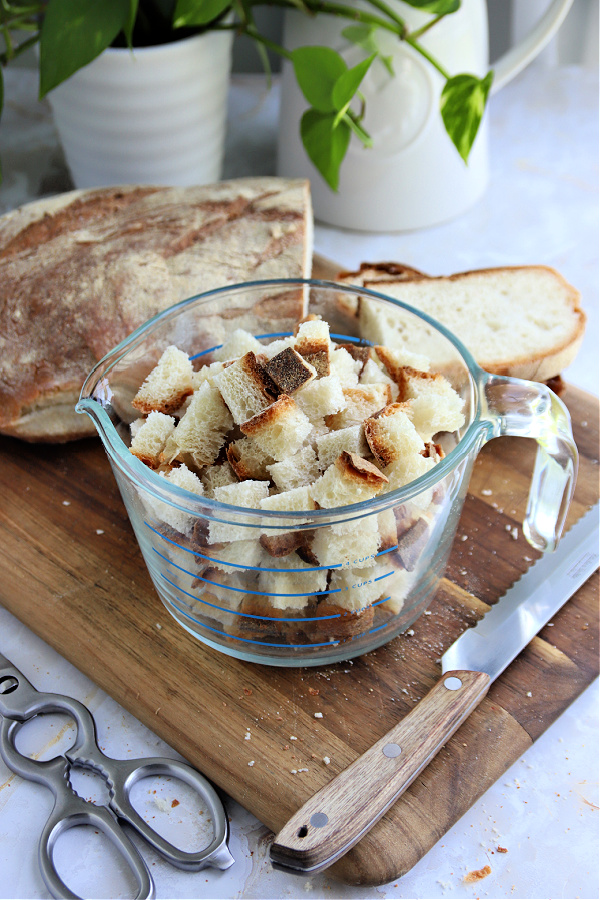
[
  {"x": 74, "y": 811},
  {"x": 124, "y": 774}
]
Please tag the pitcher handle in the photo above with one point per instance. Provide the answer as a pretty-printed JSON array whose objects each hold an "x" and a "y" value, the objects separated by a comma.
[
  {"x": 516, "y": 59},
  {"x": 528, "y": 409}
]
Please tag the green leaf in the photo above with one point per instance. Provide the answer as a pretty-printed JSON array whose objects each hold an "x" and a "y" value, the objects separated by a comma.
[
  {"x": 462, "y": 105},
  {"x": 364, "y": 36},
  {"x": 435, "y": 7},
  {"x": 348, "y": 83},
  {"x": 317, "y": 70},
  {"x": 198, "y": 12},
  {"x": 74, "y": 32},
  {"x": 129, "y": 24},
  {"x": 325, "y": 145}
]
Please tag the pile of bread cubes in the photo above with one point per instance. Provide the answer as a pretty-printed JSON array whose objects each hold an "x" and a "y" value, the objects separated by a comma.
[{"x": 296, "y": 424}]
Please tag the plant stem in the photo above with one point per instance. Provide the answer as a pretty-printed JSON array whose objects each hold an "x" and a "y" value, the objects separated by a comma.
[
  {"x": 421, "y": 31},
  {"x": 415, "y": 44},
  {"x": 338, "y": 9},
  {"x": 12, "y": 51},
  {"x": 391, "y": 14}
]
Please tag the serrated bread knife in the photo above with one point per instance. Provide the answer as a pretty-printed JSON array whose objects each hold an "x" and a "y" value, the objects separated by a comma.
[{"x": 335, "y": 818}]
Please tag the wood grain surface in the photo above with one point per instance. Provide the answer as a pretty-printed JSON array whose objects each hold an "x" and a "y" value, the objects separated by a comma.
[
  {"x": 71, "y": 570},
  {"x": 335, "y": 818}
]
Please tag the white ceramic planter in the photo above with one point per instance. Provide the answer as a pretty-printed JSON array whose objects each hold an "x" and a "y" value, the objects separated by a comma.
[
  {"x": 413, "y": 176},
  {"x": 156, "y": 115}
]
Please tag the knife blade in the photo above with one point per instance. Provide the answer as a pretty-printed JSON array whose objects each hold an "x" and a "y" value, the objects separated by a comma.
[{"x": 345, "y": 809}]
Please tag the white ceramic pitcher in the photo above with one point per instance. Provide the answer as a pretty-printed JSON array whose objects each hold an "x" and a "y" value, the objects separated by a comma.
[{"x": 413, "y": 176}]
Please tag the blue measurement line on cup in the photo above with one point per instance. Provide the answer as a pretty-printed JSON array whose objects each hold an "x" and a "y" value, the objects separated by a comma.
[
  {"x": 383, "y": 552},
  {"x": 275, "y": 334},
  {"x": 223, "y": 634},
  {"x": 222, "y": 562},
  {"x": 345, "y": 338},
  {"x": 228, "y": 587},
  {"x": 234, "y": 612}
]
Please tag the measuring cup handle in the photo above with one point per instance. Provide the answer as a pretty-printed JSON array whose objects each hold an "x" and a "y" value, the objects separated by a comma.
[
  {"x": 517, "y": 58},
  {"x": 125, "y": 774},
  {"x": 528, "y": 409},
  {"x": 75, "y": 811}
]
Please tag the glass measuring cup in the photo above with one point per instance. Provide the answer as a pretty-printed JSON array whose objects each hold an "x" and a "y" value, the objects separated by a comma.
[{"x": 356, "y": 575}]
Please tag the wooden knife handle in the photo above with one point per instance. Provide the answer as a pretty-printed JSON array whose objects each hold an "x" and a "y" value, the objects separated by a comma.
[{"x": 336, "y": 817}]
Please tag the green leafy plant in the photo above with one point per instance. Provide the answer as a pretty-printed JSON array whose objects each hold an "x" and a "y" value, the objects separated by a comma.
[{"x": 72, "y": 33}]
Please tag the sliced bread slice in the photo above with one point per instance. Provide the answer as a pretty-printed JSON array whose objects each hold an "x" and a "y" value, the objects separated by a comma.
[{"x": 523, "y": 321}]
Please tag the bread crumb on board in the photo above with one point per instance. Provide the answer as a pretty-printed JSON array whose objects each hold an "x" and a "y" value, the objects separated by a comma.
[{"x": 477, "y": 875}]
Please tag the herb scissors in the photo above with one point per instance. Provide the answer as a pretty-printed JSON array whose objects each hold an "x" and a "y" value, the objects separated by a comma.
[{"x": 19, "y": 702}]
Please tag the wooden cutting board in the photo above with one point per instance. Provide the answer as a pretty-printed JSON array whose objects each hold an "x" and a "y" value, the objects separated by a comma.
[{"x": 70, "y": 568}]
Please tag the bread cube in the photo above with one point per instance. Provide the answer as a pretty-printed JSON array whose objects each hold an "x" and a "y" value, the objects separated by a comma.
[
  {"x": 236, "y": 526},
  {"x": 245, "y": 388},
  {"x": 396, "y": 360},
  {"x": 373, "y": 374},
  {"x": 289, "y": 582},
  {"x": 296, "y": 471},
  {"x": 321, "y": 398},
  {"x": 167, "y": 385},
  {"x": 391, "y": 434},
  {"x": 436, "y": 405},
  {"x": 289, "y": 371},
  {"x": 280, "y": 430},
  {"x": 356, "y": 588},
  {"x": 406, "y": 469},
  {"x": 332, "y": 443},
  {"x": 312, "y": 342},
  {"x": 201, "y": 432},
  {"x": 181, "y": 521},
  {"x": 396, "y": 589},
  {"x": 352, "y": 544},
  {"x": 248, "y": 460},
  {"x": 150, "y": 438},
  {"x": 217, "y": 476},
  {"x": 298, "y": 499},
  {"x": 361, "y": 401},
  {"x": 350, "y": 479},
  {"x": 236, "y": 556},
  {"x": 206, "y": 373},
  {"x": 345, "y": 367},
  {"x": 240, "y": 343}
]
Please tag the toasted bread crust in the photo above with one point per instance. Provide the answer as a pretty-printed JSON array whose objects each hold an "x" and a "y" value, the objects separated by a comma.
[
  {"x": 355, "y": 468},
  {"x": 383, "y": 453},
  {"x": 289, "y": 371},
  {"x": 276, "y": 410},
  {"x": 381, "y": 271}
]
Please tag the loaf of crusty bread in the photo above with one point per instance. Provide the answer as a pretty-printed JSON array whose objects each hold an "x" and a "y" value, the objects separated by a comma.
[
  {"x": 80, "y": 271},
  {"x": 523, "y": 321}
]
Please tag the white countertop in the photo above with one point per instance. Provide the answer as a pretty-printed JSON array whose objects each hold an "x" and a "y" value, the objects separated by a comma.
[{"x": 541, "y": 207}]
